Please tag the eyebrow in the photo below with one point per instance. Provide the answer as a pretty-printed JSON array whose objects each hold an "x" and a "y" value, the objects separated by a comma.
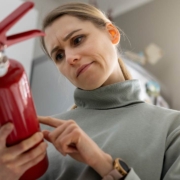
[
  {"x": 70, "y": 34},
  {"x": 65, "y": 39},
  {"x": 54, "y": 50}
]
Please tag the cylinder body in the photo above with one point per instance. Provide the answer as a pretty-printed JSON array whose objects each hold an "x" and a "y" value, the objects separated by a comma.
[{"x": 16, "y": 106}]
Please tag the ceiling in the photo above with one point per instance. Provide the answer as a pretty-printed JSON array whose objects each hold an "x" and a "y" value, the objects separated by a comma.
[{"x": 118, "y": 6}]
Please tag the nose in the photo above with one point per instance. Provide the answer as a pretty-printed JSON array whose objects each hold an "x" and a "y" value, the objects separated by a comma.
[{"x": 72, "y": 56}]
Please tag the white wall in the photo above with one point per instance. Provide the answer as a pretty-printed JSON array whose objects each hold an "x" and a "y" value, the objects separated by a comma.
[
  {"x": 23, "y": 52},
  {"x": 158, "y": 22},
  {"x": 43, "y": 7}
]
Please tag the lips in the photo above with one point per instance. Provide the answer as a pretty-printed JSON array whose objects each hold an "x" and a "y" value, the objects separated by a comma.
[{"x": 82, "y": 68}]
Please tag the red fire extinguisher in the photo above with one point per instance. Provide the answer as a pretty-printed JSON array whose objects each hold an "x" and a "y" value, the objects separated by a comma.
[{"x": 16, "y": 103}]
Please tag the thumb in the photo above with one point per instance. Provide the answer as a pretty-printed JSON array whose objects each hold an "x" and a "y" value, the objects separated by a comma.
[
  {"x": 5, "y": 130},
  {"x": 46, "y": 135}
]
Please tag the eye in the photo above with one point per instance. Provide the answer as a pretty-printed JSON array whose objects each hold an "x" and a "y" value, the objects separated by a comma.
[
  {"x": 59, "y": 56},
  {"x": 77, "y": 40}
]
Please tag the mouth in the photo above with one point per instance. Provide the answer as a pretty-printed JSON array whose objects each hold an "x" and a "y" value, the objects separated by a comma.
[{"x": 82, "y": 69}]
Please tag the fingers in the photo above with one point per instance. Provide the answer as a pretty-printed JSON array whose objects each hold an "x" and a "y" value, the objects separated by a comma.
[
  {"x": 46, "y": 135},
  {"x": 15, "y": 160},
  {"x": 63, "y": 136},
  {"x": 16, "y": 150},
  {"x": 32, "y": 154},
  {"x": 33, "y": 162},
  {"x": 67, "y": 144},
  {"x": 50, "y": 121},
  {"x": 28, "y": 159},
  {"x": 5, "y": 130},
  {"x": 61, "y": 130}
]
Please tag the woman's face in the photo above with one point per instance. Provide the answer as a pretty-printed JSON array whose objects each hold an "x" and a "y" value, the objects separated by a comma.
[{"x": 85, "y": 54}]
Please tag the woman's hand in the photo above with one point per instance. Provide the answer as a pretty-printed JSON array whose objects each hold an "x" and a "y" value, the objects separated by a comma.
[
  {"x": 14, "y": 160},
  {"x": 69, "y": 138}
]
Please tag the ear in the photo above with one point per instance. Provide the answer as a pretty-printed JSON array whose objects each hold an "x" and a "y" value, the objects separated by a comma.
[{"x": 113, "y": 32}]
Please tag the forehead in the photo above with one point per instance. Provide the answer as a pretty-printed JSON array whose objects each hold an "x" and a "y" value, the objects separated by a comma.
[
  {"x": 65, "y": 23},
  {"x": 62, "y": 27}
]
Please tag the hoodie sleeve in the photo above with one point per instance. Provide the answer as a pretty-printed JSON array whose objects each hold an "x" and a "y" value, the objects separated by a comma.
[
  {"x": 171, "y": 167},
  {"x": 115, "y": 175}
]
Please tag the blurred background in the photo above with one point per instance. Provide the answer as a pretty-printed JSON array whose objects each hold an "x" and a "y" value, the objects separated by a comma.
[{"x": 150, "y": 49}]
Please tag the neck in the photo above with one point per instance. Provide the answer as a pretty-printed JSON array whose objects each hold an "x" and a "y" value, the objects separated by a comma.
[{"x": 116, "y": 77}]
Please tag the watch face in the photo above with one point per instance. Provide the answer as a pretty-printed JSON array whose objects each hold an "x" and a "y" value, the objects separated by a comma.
[{"x": 124, "y": 166}]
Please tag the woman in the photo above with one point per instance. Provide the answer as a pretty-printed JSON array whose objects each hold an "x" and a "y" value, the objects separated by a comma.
[{"x": 110, "y": 120}]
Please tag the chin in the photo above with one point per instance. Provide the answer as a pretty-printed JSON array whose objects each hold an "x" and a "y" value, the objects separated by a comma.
[
  {"x": 95, "y": 81},
  {"x": 91, "y": 86}
]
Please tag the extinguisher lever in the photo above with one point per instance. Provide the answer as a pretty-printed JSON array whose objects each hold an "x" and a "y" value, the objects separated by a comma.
[
  {"x": 13, "y": 39},
  {"x": 10, "y": 20}
]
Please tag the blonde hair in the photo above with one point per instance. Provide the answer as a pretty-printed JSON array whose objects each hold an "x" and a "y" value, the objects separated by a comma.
[{"x": 84, "y": 12}]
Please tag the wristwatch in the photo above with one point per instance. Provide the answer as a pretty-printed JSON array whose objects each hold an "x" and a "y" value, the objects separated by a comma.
[{"x": 121, "y": 167}]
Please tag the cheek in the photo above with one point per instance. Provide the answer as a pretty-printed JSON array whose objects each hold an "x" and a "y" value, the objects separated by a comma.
[
  {"x": 102, "y": 47},
  {"x": 87, "y": 49}
]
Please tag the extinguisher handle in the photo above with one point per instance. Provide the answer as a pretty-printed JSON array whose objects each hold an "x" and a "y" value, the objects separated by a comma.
[
  {"x": 10, "y": 20},
  {"x": 13, "y": 39}
]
